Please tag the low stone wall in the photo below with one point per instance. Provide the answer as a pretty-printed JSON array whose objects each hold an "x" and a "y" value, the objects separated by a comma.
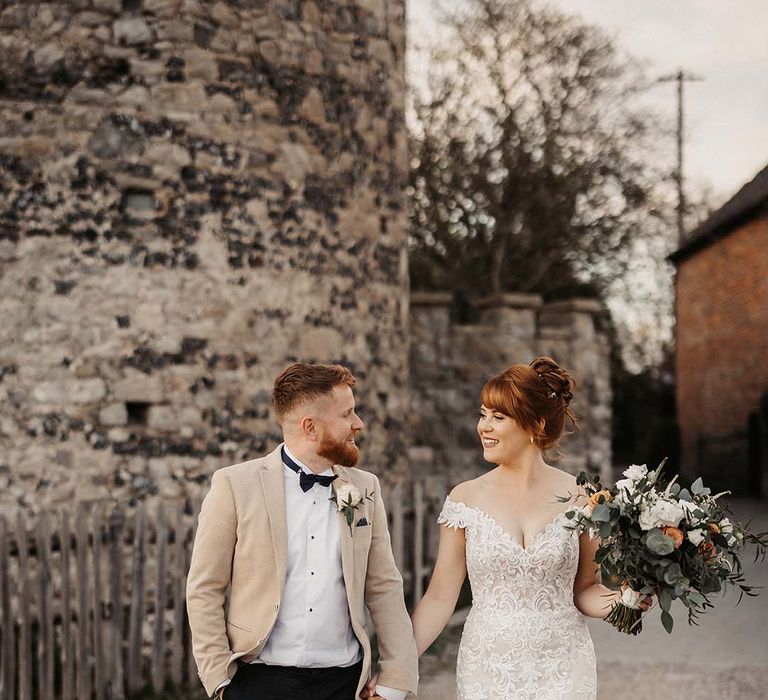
[{"x": 450, "y": 362}]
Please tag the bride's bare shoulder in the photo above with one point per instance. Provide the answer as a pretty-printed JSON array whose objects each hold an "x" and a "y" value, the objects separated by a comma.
[
  {"x": 467, "y": 491},
  {"x": 565, "y": 483}
]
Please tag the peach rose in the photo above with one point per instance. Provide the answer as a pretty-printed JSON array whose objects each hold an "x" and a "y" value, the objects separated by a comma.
[
  {"x": 675, "y": 533},
  {"x": 708, "y": 551},
  {"x": 714, "y": 529},
  {"x": 594, "y": 499}
]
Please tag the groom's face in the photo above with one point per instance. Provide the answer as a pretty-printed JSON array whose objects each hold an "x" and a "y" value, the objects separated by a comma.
[{"x": 338, "y": 426}]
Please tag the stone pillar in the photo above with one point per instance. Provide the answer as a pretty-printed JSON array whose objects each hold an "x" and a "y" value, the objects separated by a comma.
[
  {"x": 572, "y": 332},
  {"x": 508, "y": 328},
  {"x": 192, "y": 196},
  {"x": 431, "y": 367},
  {"x": 430, "y": 325}
]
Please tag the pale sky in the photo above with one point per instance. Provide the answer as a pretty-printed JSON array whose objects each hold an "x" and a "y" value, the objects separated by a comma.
[{"x": 723, "y": 41}]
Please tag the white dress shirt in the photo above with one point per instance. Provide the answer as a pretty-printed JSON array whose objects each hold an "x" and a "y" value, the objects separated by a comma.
[{"x": 313, "y": 628}]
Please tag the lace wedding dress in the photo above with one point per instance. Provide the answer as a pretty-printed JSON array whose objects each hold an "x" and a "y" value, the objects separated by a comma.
[{"x": 523, "y": 639}]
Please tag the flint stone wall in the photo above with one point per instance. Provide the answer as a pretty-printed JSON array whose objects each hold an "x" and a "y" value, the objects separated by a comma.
[
  {"x": 192, "y": 195},
  {"x": 450, "y": 362}
]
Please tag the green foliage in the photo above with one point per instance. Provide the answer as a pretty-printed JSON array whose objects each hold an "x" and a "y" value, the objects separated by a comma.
[
  {"x": 667, "y": 621},
  {"x": 659, "y": 543},
  {"x": 690, "y": 568}
]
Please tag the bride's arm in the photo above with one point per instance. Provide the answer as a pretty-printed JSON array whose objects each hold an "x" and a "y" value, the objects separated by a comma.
[
  {"x": 436, "y": 607},
  {"x": 590, "y": 596}
]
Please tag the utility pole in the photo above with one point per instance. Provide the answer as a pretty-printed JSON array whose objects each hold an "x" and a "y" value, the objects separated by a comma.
[{"x": 680, "y": 78}]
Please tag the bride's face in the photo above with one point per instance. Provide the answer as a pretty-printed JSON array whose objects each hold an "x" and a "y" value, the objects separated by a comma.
[{"x": 502, "y": 437}]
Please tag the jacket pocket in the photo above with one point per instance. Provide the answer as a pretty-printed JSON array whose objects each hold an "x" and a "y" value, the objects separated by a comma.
[{"x": 240, "y": 627}]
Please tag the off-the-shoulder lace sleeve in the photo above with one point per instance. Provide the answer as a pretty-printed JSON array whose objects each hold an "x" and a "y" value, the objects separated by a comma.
[{"x": 454, "y": 514}]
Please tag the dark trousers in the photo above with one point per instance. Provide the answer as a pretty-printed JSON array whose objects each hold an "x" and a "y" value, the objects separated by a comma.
[{"x": 262, "y": 682}]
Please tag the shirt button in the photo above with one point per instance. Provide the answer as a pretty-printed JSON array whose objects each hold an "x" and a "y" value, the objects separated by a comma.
[
  {"x": 311, "y": 573},
  {"x": 310, "y": 610},
  {"x": 312, "y": 537}
]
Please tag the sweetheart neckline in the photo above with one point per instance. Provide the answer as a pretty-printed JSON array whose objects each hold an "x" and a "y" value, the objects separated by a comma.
[{"x": 513, "y": 538}]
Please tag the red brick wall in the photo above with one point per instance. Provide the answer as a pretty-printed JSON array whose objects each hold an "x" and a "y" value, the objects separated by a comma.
[{"x": 722, "y": 351}]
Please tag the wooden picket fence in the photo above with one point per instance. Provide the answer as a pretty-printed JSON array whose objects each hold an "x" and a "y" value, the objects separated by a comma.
[{"x": 92, "y": 601}]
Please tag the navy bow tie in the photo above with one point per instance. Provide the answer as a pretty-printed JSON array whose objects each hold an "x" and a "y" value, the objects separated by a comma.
[{"x": 306, "y": 481}]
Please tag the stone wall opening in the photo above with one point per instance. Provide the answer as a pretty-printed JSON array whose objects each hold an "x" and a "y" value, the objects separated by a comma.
[{"x": 137, "y": 412}]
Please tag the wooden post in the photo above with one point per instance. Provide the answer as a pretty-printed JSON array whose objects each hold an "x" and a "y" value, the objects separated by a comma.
[
  {"x": 7, "y": 621},
  {"x": 25, "y": 638},
  {"x": 99, "y": 675},
  {"x": 45, "y": 618},
  {"x": 117, "y": 678},
  {"x": 158, "y": 643},
  {"x": 418, "y": 541},
  {"x": 179, "y": 566},
  {"x": 398, "y": 526},
  {"x": 83, "y": 647},
  {"x": 67, "y": 658},
  {"x": 193, "y": 678},
  {"x": 136, "y": 611}
]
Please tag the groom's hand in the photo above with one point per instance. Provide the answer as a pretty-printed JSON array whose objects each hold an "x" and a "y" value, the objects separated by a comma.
[{"x": 369, "y": 691}]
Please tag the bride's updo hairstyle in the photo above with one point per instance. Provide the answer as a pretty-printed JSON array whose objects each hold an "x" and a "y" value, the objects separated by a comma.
[{"x": 532, "y": 394}]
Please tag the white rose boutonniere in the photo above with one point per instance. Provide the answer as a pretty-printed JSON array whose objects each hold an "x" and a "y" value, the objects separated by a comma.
[{"x": 348, "y": 498}]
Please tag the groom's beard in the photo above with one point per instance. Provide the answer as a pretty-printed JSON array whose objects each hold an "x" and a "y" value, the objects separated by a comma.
[{"x": 341, "y": 452}]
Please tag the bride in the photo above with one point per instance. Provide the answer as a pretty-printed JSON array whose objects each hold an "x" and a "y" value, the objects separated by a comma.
[{"x": 532, "y": 580}]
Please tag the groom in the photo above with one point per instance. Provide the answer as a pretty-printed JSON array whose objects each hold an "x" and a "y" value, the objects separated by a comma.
[{"x": 301, "y": 568}]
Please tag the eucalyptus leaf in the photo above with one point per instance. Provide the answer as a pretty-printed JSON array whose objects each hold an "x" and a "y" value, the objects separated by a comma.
[
  {"x": 697, "y": 486},
  {"x": 685, "y": 495},
  {"x": 601, "y": 513},
  {"x": 665, "y": 599},
  {"x": 659, "y": 543},
  {"x": 673, "y": 573},
  {"x": 667, "y": 621}
]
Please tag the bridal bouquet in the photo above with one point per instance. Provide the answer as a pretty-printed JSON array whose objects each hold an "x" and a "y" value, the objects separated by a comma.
[{"x": 664, "y": 540}]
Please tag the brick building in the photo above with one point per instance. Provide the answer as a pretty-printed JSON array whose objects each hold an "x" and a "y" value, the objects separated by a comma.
[{"x": 722, "y": 344}]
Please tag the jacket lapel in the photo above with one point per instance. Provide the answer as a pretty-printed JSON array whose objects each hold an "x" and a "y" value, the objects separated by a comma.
[
  {"x": 273, "y": 485},
  {"x": 347, "y": 549}
]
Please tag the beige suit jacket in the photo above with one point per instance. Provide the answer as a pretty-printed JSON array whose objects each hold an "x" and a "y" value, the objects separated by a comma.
[{"x": 241, "y": 545}]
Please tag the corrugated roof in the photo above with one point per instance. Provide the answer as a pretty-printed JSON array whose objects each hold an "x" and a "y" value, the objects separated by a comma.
[{"x": 747, "y": 204}]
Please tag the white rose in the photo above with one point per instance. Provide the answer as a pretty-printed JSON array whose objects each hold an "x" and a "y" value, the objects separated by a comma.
[
  {"x": 696, "y": 537},
  {"x": 660, "y": 513},
  {"x": 635, "y": 472},
  {"x": 631, "y": 598},
  {"x": 347, "y": 494}
]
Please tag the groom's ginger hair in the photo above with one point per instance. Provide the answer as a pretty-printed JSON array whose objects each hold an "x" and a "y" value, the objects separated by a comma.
[{"x": 303, "y": 382}]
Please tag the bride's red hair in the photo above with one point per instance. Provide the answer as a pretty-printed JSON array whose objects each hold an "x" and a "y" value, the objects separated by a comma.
[{"x": 537, "y": 396}]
